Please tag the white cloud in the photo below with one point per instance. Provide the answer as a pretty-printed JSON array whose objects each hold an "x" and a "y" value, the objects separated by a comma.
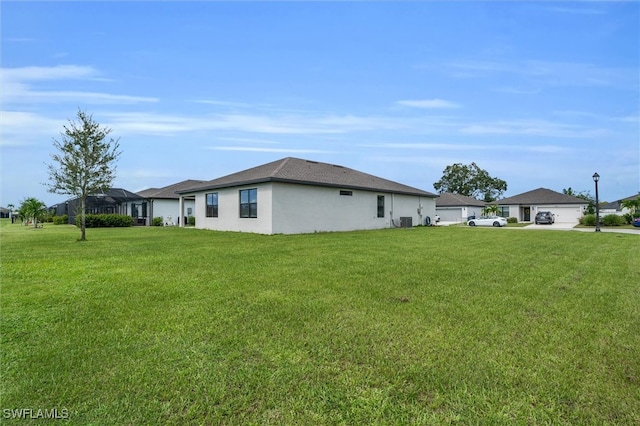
[
  {"x": 274, "y": 150},
  {"x": 17, "y": 86},
  {"x": 575, "y": 10},
  {"x": 630, "y": 119},
  {"x": 23, "y": 128},
  {"x": 533, "y": 127},
  {"x": 60, "y": 72},
  {"x": 465, "y": 147},
  {"x": 428, "y": 103},
  {"x": 550, "y": 73},
  {"x": 150, "y": 123},
  {"x": 79, "y": 97}
]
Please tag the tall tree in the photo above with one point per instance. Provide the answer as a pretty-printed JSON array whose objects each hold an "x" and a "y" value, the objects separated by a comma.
[
  {"x": 632, "y": 205},
  {"x": 585, "y": 195},
  {"x": 470, "y": 180},
  {"x": 32, "y": 209},
  {"x": 84, "y": 163}
]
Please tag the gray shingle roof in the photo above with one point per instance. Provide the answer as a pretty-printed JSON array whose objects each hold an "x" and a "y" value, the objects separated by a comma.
[
  {"x": 618, "y": 203},
  {"x": 116, "y": 195},
  {"x": 306, "y": 172},
  {"x": 169, "y": 192},
  {"x": 541, "y": 196},
  {"x": 446, "y": 199}
]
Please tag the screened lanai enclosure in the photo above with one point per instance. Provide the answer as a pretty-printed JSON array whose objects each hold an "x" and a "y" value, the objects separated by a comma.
[{"x": 112, "y": 201}]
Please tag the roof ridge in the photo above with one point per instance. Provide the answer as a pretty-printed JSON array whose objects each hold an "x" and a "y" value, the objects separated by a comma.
[{"x": 282, "y": 164}]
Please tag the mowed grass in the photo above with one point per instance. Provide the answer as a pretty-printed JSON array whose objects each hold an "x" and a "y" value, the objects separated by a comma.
[{"x": 400, "y": 326}]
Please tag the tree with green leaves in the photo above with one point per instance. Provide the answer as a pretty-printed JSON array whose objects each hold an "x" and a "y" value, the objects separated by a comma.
[
  {"x": 492, "y": 209},
  {"x": 632, "y": 205},
  {"x": 472, "y": 181},
  {"x": 585, "y": 195},
  {"x": 84, "y": 163},
  {"x": 33, "y": 210},
  {"x": 634, "y": 209}
]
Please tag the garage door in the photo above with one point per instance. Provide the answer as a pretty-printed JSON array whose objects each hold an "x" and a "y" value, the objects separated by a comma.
[
  {"x": 564, "y": 214},
  {"x": 450, "y": 214}
]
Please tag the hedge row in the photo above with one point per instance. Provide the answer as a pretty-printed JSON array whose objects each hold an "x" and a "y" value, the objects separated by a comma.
[
  {"x": 106, "y": 221},
  {"x": 60, "y": 220},
  {"x": 608, "y": 220}
]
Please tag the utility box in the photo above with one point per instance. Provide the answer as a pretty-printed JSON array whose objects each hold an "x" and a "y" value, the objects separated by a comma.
[{"x": 406, "y": 222}]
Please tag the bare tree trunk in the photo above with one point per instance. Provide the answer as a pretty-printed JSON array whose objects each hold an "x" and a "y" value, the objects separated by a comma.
[{"x": 83, "y": 232}]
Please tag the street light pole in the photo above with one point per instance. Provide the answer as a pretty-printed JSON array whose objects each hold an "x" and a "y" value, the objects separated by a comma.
[{"x": 596, "y": 178}]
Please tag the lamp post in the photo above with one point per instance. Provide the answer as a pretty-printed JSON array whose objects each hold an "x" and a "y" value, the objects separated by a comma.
[{"x": 596, "y": 178}]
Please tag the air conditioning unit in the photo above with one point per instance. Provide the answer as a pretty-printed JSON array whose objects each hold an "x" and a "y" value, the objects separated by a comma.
[{"x": 406, "y": 222}]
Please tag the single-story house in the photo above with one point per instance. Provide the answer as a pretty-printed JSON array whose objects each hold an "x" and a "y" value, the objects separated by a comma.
[
  {"x": 566, "y": 208},
  {"x": 615, "y": 207},
  {"x": 164, "y": 202},
  {"x": 4, "y": 213},
  {"x": 457, "y": 208},
  {"x": 111, "y": 201},
  {"x": 292, "y": 196}
]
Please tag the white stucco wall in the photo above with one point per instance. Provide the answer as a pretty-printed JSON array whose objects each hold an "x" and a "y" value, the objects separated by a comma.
[
  {"x": 291, "y": 209},
  {"x": 169, "y": 210},
  {"x": 229, "y": 211},
  {"x": 457, "y": 214},
  {"x": 563, "y": 213}
]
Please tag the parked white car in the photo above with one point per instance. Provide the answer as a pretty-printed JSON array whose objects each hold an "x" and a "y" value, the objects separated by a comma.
[{"x": 496, "y": 221}]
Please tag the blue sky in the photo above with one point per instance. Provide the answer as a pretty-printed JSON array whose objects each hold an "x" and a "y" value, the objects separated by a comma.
[{"x": 539, "y": 94}]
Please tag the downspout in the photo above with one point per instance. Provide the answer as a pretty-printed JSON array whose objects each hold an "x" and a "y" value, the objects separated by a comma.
[
  {"x": 393, "y": 224},
  {"x": 180, "y": 210}
]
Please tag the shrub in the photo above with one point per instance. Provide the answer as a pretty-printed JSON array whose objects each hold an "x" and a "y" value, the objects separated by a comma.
[
  {"x": 157, "y": 221},
  {"x": 512, "y": 220},
  {"x": 61, "y": 220},
  {"x": 191, "y": 221},
  {"x": 588, "y": 220},
  {"x": 612, "y": 220},
  {"x": 106, "y": 221}
]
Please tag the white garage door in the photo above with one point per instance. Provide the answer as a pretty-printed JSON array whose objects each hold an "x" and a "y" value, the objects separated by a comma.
[
  {"x": 564, "y": 214},
  {"x": 449, "y": 214}
]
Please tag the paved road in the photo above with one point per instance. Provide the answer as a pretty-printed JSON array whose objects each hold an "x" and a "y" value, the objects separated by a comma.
[
  {"x": 570, "y": 227},
  {"x": 566, "y": 227}
]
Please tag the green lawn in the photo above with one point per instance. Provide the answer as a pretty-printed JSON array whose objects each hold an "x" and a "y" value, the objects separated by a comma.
[{"x": 402, "y": 326}]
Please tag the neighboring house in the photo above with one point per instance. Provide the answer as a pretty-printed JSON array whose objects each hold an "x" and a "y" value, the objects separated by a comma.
[
  {"x": 457, "y": 208},
  {"x": 566, "y": 208},
  {"x": 616, "y": 206},
  {"x": 164, "y": 202},
  {"x": 112, "y": 201},
  {"x": 4, "y": 213},
  {"x": 292, "y": 196}
]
